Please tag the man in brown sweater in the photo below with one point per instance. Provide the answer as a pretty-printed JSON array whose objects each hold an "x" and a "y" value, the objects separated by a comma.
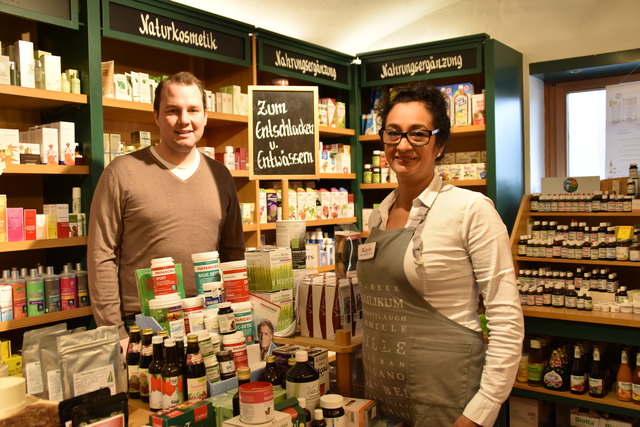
[{"x": 164, "y": 201}]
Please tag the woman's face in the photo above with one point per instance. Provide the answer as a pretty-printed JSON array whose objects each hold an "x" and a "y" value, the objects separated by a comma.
[{"x": 412, "y": 164}]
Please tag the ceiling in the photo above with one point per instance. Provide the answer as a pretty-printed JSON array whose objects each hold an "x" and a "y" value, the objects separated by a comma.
[{"x": 541, "y": 29}]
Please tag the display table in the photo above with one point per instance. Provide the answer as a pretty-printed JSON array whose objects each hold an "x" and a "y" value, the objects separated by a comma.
[
  {"x": 343, "y": 346},
  {"x": 138, "y": 412}
]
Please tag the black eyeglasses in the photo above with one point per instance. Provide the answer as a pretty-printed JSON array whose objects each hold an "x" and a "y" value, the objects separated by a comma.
[{"x": 417, "y": 138}]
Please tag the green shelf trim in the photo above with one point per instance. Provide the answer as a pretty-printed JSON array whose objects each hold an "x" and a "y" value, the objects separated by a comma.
[
  {"x": 581, "y": 67},
  {"x": 582, "y": 331},
  {"x": 305, "y": 51},
  {"x": 234, "y": 32},
  {"x": 43, "y": 16},
  {"x": 568, "y": 400}
]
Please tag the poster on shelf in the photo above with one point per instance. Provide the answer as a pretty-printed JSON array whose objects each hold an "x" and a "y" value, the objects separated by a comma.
[
  {"x": 622, "y": 145},
  {"x": 283, "y": 132},
  {"x": 570, "y": 185}
]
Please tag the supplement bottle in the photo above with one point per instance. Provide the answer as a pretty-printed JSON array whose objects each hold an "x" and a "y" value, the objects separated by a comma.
[
  {"x": 133, "y": 361},
  {"x": 155, "y": 374},
  {"x": 146, "y": 357},
  {"x": 195, "y": 374},
  {"x": 303, "y": 380},
  {"x": 172, "y": 385},
  {"x": 332, "y": 410}
]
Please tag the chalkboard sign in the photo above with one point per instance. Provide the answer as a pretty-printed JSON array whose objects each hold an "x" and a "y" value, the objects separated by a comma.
[{"x": 283, "y": 131}]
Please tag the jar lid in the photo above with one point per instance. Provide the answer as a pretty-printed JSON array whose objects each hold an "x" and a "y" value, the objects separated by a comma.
[
  {"x": 302, "y": 356},
  {"x": 157, "y": 339},
  {"x": 212, "y": 285},
  {"x": 224, "y": 305},
  {"x": 331, "y": 401},
  {"x": 215, "y": 338},
  {"x": 203, "y": 335},
  {"x": 205, "y": 256},
  {"x": 224, "y": 353},
  {"x": 169, "y": 342},
  {"x": 197, "y": 301},
  {"x": 162, "y": 261},
  {"x": 241, "y": 306},
  {"x": 231, "y": 265}
]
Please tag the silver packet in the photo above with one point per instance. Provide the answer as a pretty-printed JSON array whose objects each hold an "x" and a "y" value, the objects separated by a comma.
[
  {"x": 50, "y": 362},
  {"x": 91, "y": 360},
  {"x": 31, "y": 366}
]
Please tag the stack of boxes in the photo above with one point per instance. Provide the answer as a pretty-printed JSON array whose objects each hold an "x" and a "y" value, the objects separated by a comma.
[
  {"x": 305, "y": 203},
  {"x": 114, "y": 146},
  {"x": 466, "y": 165},
  {"x": 49, "y": 144},
  {"x": 332, "y": 113},
  {"x": 335, "y": 158}
]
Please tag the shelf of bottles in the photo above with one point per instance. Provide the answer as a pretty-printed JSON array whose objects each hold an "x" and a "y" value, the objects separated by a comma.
[{"x": 583, "y": 373}]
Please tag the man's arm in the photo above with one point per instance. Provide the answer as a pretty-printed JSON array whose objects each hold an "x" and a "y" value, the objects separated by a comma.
[{"x": 105, "y": 234}]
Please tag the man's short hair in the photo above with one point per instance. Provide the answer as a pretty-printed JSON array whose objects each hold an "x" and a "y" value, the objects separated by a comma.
[{"x": 181, "y": 78}]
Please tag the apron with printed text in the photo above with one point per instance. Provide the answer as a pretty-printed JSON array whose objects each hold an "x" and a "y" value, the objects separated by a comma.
[{"x": 420, "y": 366}]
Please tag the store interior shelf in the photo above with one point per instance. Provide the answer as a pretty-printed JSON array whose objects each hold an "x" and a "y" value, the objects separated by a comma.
[
  {"x": 326, "y": 131},
  {"x": 136, "y": 112},
  {"x": 249, "y": 227},
  {"x": 356, "y": 343},
  {"x": 47, "y": 169},
  {"x": 457, "y": 131},
  {"x": 26, "y": 98},
  {"x": 584, "y": 214},
  {"x": 26, "y": 245},
  {"x": 457, "y": 183},
  {"x": 337, "y": 176},
  {"x": 607, "y": 403},
  {"x": 27, "y": 322},
  {"x": 239, "y": 173},
  {"x": 314, "y": 223},
  {"x": 326, "y": 268},
  {"x": 602, "y": 262},
  {"x": 618, "y": 319}
]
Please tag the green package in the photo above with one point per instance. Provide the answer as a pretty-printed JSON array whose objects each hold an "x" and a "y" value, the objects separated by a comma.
[{"x": 145, "y": 287}]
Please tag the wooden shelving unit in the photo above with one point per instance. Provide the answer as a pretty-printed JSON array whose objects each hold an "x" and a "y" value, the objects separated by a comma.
[
  {"x": 26, "y": 98},
  {"x": 27, "y": 245},
  {"x": 46, "y": 170},
  {"x": 313, "y": 223},
  {"x": 45, "y": 318},
  {"x": 326, "y": 131},
  {"x": 457, "y": 183},
  {"x": 606, "y": 318}
]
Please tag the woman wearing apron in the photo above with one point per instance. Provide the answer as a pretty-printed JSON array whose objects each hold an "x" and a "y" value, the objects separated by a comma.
[{"x": 432, "y": 250}]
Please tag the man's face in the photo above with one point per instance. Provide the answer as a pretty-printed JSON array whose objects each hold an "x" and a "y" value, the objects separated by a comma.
[
  {"x": 265, "y": 336},
  {"x": 181, "y": 117}
]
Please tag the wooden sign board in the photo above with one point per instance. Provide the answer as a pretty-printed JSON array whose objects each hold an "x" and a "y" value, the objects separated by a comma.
[{"x": 283, "y": 132}]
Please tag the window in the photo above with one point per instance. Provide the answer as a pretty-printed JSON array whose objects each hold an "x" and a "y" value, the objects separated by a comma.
[{"x": 575, "y": 125}]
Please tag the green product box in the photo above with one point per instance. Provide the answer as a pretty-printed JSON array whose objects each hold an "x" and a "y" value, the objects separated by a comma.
[
  {"x": 283, "y": 299},
  {"x": 222, "y": 407},
  {"x": 145, "y": 287},
  {"x": 194, "y": 413},
  {"x": 269, "y": 269}
]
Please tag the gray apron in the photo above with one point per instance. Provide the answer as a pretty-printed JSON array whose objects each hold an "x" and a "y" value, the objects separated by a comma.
[{"x": 420, "y": 366}]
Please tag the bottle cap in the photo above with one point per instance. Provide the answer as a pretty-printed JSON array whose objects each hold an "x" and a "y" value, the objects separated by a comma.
[
  {"x": 302, "y": 356},
  {"x": 134, "y": 328},
  {"x": 157, "y": 339},
  {"x": 331, "y": 401},
  {"x": 169, "y": 342},
  {"x": 318, "y": 415},
  {"x": 302, "y": 402}
]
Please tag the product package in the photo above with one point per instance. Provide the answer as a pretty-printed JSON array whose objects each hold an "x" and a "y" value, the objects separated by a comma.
[
  {"x": 269, "y": 269},
  {"x": 102, "y": 412},
  {"x": 194, "y": 413},
  {"x": 31, "y": 357},
  {"x": 65, "y": 408},
  {"x": 50, "y": 360},
  {"x": 359, "y": 412},
  {"x": 91, "y": 360},
  {"x": 145, "y": 287}
]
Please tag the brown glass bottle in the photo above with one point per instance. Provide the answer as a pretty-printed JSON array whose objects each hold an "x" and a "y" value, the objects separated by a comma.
[
  {"x": 270, "y": 372},
  {"x": 578, "y": 382},
  {"x": 535, "y": 364},
  {"x": 290, "y": 362},
  {"x": 172, "y": 385},
  {"x": 146, "y": 356},
  {"x": 244, "y": 376},
  {"x": 596, "y": 375},
  {"x": 155, "y": 374},
  {"x": 133, "y": 361},
  {"x": 195, "y": 373},
  {"x": 555, "y": 376}
]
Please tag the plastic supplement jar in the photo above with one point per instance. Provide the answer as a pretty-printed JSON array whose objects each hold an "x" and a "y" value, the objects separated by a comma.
[
  {"x": 244, "y": 320},
  {"x": 163, "y": 276},
  {"x": 227, "y": 365},
  {"x": 167, "y": 310},
  {"x": 238, "y": 346},
  {"x": 332, "y": 410},
  {"x": 206, "y": 267},
  {"x": 192, "y": 306},
  {"x": 256, "y": 402},
  {"x": 236, "y": 282},
  {"x": 226, "y": 319},
  {"x": 213, "y": 293}
]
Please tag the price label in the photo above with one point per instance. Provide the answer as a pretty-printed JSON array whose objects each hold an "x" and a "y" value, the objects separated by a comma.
[{"x": 624, "y": 232}]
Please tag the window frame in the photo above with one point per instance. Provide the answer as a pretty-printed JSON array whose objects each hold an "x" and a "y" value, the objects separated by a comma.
[{"x": 555, "y": 115}]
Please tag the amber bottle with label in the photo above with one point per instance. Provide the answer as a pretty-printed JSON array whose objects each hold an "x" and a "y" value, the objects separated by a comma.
[
  {"x": 146, "y": 356},
  {"x": 195, "y": 374},
  {"x": 133, "y": 361}
]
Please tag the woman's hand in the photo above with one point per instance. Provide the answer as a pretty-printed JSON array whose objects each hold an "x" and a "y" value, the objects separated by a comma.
[{"x": 463, "y": 421}]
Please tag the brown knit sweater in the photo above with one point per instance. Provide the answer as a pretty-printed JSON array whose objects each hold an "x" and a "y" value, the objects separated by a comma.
[{"x": 140, "y": 211}]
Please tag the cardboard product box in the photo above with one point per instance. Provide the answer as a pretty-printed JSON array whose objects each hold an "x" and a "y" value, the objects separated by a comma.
[
  {"x": 301, "y": 204},
  {"x": 525, "y": 412},
  {"x": 455, "y": 172},
  {"x": 462, "y": 157},
  {"x": 227, "y": 102},
  {"x": 469, "y": 171},
  {"x": 41, "y": 227},
  {"x": 340, "y": 118},
  {"x": 283, "y": 299},
  {"x": 13, "y": 361},
  {"x": 357, "y": 319},
  {"x": 366, "y": 213},
  {"x": 10, "y": 144},
  {"x": 578, "y": 418},
  {"x": 122, "y": 87},
  {"x": 618, "y": 421},
  {"x": 62, "y": 219},
  {"x": 323, "y": 118},
  {"x": 475, "y": 156},
  {"x": 305, "y": 307},
  {"x": 481, "y": 170},
  {"x": 359, "y": 412},
  {"x": 222, "y": 404},
  {"x": 145, "y": 93},
  {"x": 134, "y": 80},
  {"x": 331, "y": 109},
  {"x": 142, "y": 139},
  {"x": 66, "y": 141},
  {"x": 337, "y": 297},
  {"x": 281, "y": 419},
  {"x": 243, "y": 104},
  {"x": 5, "y": 75},
  {"x": 51, "y": 71},
  {"x": 319, "y": 308},
  {"x": 108, "y": 85},
  {"x": 25, "y": 63},
  {"x": 270, "y": 269},
  {"x": 195, "y": 413},
  {"x": 478, "y": 109},
  {"x": 47, "y": 139},
  {"x": 29, "y": 224},
  {"x": 3, "y": 217},
  {"x": 15, "y": 224},
  {"x": 447, "y": 93}
]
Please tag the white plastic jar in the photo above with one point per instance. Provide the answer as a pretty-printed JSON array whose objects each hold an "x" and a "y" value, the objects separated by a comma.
[
  {"x": 167, "y": 310},
  {"x": 243, "y": 313},
  {"x": 163, "y": 276},
  {"x": 191, "y": 306},
  {"x": 206, "y": 267},
  {"x": 238, "y": 346}
]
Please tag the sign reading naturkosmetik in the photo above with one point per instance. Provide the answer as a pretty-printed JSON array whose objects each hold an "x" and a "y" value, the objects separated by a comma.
[
  {"x": 421, "y": 66},
  {"x": 152, "y": 26},
  {"x": 305, "y": 65},
  {"x": 283, "y": 131}
]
